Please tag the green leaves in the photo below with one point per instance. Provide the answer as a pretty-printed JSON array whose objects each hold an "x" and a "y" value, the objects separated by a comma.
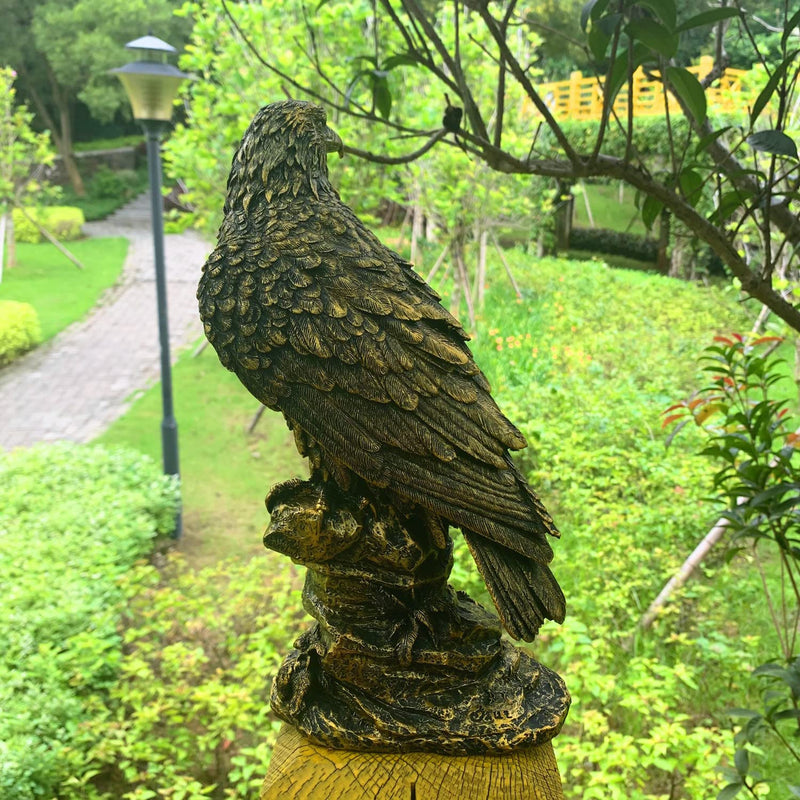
[
  {"x": 772, "y": 141},
  {"x": 62, "y": 566},
  {"x": 711, "y": 17},
  {"x": 651, "y": 208},
  {"x": 378, "y": 78},
  {"x": 655, "y": 35},
  {"x": 765, "y": 95},
  {"x": 690, "y": 91}
]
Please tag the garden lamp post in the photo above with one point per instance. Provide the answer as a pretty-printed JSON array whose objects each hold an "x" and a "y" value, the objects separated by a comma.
[{"x": 152, "y": 84}]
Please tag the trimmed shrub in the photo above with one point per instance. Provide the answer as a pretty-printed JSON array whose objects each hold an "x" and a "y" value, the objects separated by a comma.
[
  {"x": 615, "y": 243},
  {"x": 73, "y": 521},
  {"x": 107, "y": 183},
  {"x": 19, "y": 329},
  {"x": 64, "y": 222}
]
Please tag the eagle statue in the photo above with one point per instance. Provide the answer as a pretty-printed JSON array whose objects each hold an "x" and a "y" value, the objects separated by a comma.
[{"x": 322, "y": 322}]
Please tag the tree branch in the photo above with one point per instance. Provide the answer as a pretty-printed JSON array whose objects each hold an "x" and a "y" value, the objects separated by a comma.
[
  {"x": 470, "y": 107},
  {"x": 396, "y": 160},
  {"x": 307, "y": 90},
  {"x": 524, "y": 81}
]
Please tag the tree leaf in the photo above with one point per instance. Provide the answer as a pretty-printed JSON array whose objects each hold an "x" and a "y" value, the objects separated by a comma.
[
  {"x": 608, "y": 24},
  {"x": 598, "y": 42},
  {"x": 688, "y": 88},
  {"x": 708, "y": 18},
  {"x": 650, "y": 211},
  {"x": 665, "y": 10},
  {"x": 710, "y": 139},
  {"x": 730, "y": 791},
  {"x": 741, "y": 760},
  {"x": 791, "y": 24},
  {"x": 622, "y": 67},
  {"x": 591, "y": 10},
  {"x": 766, "y": 93},
  {"x": 691, "y": 184},
  {"x": 773, "y": 141},
  {"x": 400, "y": 60},
  {"x": 742, "y": 712},
  {"x": 788, "y": 713},
  {"x": 654, "y": 35},
  {"x": 381, "y": 95}
]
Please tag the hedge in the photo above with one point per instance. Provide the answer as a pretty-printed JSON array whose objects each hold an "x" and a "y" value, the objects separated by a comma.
[
  {"x": 617, "y": 243},
  {"x": 64, "y": 222},
  {"x": 19, "y": 329},
  {"x": 73, "y": 521}
]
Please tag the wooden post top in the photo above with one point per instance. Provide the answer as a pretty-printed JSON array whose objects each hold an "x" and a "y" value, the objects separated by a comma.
[{"x": 301, "y": 770}]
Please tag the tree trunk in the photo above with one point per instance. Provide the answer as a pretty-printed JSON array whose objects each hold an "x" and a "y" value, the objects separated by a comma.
[
  {"x": 565, "y": 204},
  {"x": 662, "y": 260},
  {"x": 10, "y": 241},
  {"x": 62, "y": 134}
]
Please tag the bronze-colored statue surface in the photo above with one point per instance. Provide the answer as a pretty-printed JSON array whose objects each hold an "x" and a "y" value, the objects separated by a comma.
[{"x": 322, "y": 322}]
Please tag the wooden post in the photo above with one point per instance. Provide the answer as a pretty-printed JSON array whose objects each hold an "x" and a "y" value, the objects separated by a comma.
[
  {"x": 574, "y": 109},
  {"x": 301, "y": 770}
]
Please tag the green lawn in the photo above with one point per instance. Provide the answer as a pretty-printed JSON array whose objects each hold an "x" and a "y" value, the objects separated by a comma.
[
  {"x": 225, "y": 471},
  {"x": 607, "y": 209},
  {"x": 59, "y": 291}
]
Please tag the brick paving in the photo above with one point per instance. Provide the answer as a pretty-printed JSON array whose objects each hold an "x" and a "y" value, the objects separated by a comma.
[{"x": 76, "y": 385}]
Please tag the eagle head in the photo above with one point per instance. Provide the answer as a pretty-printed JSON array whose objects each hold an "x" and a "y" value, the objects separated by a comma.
[{"x": 283, "y": 152}]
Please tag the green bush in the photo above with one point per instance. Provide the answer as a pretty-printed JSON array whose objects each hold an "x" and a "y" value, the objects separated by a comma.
[
  {"x": 616, "y": 243},
  {"x": 109, "y": 184},
  {"x": 585, "y": 363},
  {"x": 650, "y": 136},
  {"x": 189, "y": 716},
  {"x": 107, "y": 191},
  {"x": 19, "y": 329},
  {"x": 63, "y": 222},
  {"x": 73, "y": 521}
]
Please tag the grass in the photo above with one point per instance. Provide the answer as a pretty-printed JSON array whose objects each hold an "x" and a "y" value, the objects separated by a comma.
[
  {"x": 607, "y": 210},
  {"x": 132, "y": 140},
  {"x": 225, "y": 472},
  {"x": 59, "y": 291}
]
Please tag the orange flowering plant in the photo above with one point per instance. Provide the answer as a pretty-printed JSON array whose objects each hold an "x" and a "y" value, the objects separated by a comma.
[{"x": 758, "y": 479}]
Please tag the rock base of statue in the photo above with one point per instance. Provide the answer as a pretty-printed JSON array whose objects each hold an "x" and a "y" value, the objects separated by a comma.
[{"x": 397, "y": 660}]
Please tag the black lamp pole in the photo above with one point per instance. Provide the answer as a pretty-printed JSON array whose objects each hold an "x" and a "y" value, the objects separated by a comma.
[
  {"x": 169, "y": 427},
  {"x": 151, "y": 84}
]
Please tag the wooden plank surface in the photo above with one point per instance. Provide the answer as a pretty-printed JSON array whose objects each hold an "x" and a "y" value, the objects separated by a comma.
[{"x": 301, "y": 770}]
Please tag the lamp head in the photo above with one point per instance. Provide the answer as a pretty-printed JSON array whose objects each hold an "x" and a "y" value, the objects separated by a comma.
[{"x": 150, "y": 82}]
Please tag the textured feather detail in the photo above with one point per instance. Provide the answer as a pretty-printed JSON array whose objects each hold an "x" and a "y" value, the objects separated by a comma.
[
  {"x": 524, "y": 591},
  {"x": 321, "y": 321}
]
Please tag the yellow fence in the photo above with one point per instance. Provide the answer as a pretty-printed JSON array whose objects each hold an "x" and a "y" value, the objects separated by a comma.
[{"x": 582, "y": 98}]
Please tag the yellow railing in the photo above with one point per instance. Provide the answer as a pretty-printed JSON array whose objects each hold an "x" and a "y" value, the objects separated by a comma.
[{"x": 582, "y": 98}]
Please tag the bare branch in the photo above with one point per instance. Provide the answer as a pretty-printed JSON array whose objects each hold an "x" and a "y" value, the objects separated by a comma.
[
  {"x": 524, "y": 81},
  {"x": 396, "y": 160},
  {"x": 470, "y": 107}
]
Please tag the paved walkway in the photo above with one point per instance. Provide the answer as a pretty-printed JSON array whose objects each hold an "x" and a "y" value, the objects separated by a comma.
[{"x": 77, "y": 384}]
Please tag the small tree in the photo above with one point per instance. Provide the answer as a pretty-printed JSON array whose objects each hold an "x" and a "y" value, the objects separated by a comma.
[
  {"x": 750, "y": 168},
  {"x": 23, "y": 156}
]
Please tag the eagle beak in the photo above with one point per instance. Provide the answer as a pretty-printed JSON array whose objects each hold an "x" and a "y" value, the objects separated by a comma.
[{"x": 333, "y": 143}]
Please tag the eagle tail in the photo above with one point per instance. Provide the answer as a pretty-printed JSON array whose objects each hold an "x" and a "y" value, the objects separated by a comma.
[{"x": 524, "y": 591}]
